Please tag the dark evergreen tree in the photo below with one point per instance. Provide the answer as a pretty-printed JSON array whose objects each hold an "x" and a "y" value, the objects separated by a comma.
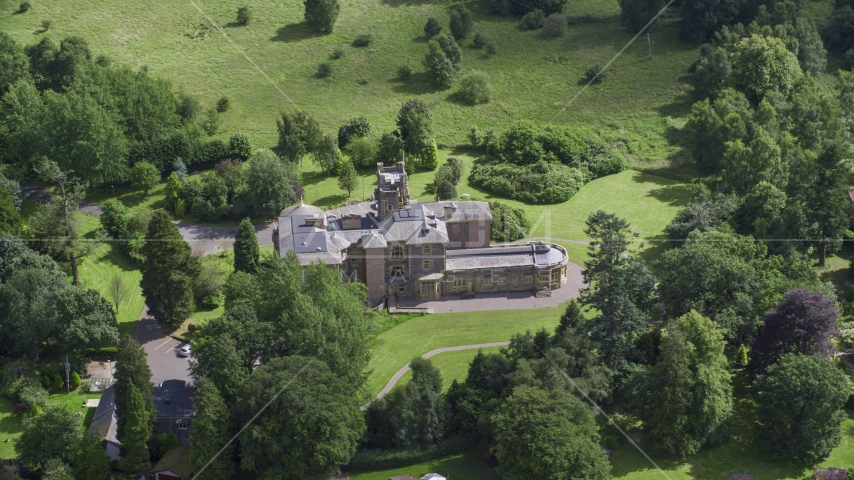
[
  {"x": 802, "y": 323},
  {"x": 452, "y": 51},
  {"x": 168, "y": 272},
  {"x": 136, "y": 431},
  {"x": 461, "y": 24},
  {"x": 441, "y": 68},
  {"x": 246, "y": 253},
  {"x": 431, "y": 29},
  {"x": 10, "y": 220},
  {"x": 702, "y": 18},
  {"x": 132, "y": 369},
  {"x": 828, "y": 196},
  {"x": 622, "y": 290},
  {"x": 210, "y": 433},
  {"x": 89, "y": 461},
  {"x": 635, "y": 14}
]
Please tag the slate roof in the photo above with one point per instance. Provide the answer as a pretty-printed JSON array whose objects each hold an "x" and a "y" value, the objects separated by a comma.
[
  {"x": 105, "y": 422},
  {"x": 414, "y": 226},
  {"x": 310, "y": 243},
  {"x": 294, "y": 210},
  {"x": 174, "y": 399},
  {"x": 466, "y": 211},
  {"x": 374, "y": 240}
]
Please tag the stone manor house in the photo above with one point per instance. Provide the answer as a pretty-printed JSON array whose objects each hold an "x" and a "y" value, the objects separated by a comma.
[{"x": 425, "y": 250}]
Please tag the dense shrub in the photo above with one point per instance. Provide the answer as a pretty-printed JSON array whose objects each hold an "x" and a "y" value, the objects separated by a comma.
[
  {"x": 244, "y": 16},
  {"x": 508, "y": 223},
  {"x": 404, "y": 72},
  {"x": 446, "y": 190},
  {"x": 144, "y": 176},
  {"x": 363, "y": 40},
  {"x": 211, "y": 122},
  {"x": 491, "y": 50},
  {"x": 115, "y": 216},
  {"x": 432, "y": 27},
  {"x": 222, "y": 104},
  {"x": 539, "y": 183},
  {"x": 479, "y": 41},
  {"x": 533, "y": 20},
  {"x": 320, "y": 15},
  {"x": 240, "y": 146},
  {"x": 475, "y": 88},
  {"x": 337, "y": 53},
  {"x": 324, "y": 70},
  {"x": 556, "y": 25},
  {"x": 362, "y": 151},
  {"x": 23, "y": 7},
  {"x": 75, "y": 380},
  {"x": 474, "y": 136},
  {"x": 187, "y": 106},
  {"x": 461, "y": 23},
  {"x": 594, "y": 74},
  {"x": 442, "y": 71}
]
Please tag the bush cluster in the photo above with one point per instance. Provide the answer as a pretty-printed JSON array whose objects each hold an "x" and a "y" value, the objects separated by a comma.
[
  {"x": 556, "y": 25},
  {"x": 124, "y": 224},
  {"x": 163, "y": 151},
  {"x": 543, "y": 164},
  {"x": 508, "y": 223},
  {"x": 324, "y": 70},
  {"x": 475, "y": 88},
  {"x": 363, "y": 40},
  {"x": 541, "y": 183},
  {"x": 533, "y": 20}
]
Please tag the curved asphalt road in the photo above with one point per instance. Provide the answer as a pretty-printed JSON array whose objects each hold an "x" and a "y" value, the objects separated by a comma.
[{"x": 391, "y": 383}]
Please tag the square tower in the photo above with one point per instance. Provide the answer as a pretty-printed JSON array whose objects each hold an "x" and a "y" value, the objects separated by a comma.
[{"x": 392, "y": 193}]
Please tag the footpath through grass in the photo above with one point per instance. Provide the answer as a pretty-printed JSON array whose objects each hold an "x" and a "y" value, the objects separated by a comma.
[
  {"x": 395, "y": 347},
  {"x": 452, "y": 365}
]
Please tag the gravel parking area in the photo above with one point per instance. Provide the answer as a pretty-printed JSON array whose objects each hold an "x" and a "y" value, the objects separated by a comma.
[{"x": 162, "y": 351}]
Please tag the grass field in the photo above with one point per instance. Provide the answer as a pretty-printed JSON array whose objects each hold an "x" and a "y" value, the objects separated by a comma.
[
  {"x": 98, "y": 269},
  {"x": 453, "y": 365},
  {"x": 640, "y": 103},
  {"x": 419, "y": 335},
  {"x": 11, "y": 425},
  {"x": 463, "y": 466}
]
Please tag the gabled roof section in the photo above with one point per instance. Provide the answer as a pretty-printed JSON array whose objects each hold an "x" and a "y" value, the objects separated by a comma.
[
  {"x": 176, "y": 461},
  {"x": 414, "y": 226},
  {"x": 104, "y": 422},
  {"x": 466, "y": 211},
  {"x": 374, "y": 240},
  {"x": 174, "y": 399}
]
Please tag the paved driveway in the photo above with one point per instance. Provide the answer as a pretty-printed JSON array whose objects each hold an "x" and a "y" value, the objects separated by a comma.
[{"x": 162, "y": 351}]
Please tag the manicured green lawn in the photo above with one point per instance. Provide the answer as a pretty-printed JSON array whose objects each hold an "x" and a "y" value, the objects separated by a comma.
[
  {"x": 419, "y": 335},
  {"x": 463, "y": 466},
  {"x": 533, "y": 77},
  {"x": 453, "y": 365},
  {"x": 98, "y": 269},
  {"x": 11, "y": 425}
]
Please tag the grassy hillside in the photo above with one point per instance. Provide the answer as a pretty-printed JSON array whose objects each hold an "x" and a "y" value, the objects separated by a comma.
[{"x": 533, "y": 77}]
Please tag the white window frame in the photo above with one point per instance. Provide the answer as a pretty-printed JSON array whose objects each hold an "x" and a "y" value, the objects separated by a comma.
[
  {"x": 426, "y": 249},
  {"x": 397, "y": 251},
  {"x": 426, "y": 264}
]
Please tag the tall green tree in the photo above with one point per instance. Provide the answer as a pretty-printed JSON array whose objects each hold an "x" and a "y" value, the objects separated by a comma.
[
  {"x": 89, "y": 460},
  {"x": 137, "y": 431},
  {"x": 57, "y": 220},
  {"x": 685, "y": 399},
  {"x": 461, "y": 23},
  {"x": 145, "y": 176},
  {"x": 50, "y": 435},
  {"x": 269, "y": 184},
  {"x": 132, "y": 369},
  {"x": 246, "y": 252},
  {"x": 542, "y": 434},
  {"x": 621, "y": 289},
  {"x": 10, "y": 220},
  {"x": 700, "y": 19},
  {"x": 14, "y": 64},
  {"x": 326, "y": 155},
  {"x": 764, "y": 64},
  {"x": 168, "y": 272},
  {"x": 310, "y": 431},
  {"x": 828, "y": 196},
  {"x": 320, "y": 15},
  {"x": 210, "y": 433},
  {"x": 347, "y": 177},
  {"x": 800, "y": 406},
  {"x": 442, "y": 71}
]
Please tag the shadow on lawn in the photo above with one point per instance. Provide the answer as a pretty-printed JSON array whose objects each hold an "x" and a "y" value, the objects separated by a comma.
[
  {"x": 294, "y": 32},
  {"x": 417, "y": 84},
  {"x": 674, "y": 194}
]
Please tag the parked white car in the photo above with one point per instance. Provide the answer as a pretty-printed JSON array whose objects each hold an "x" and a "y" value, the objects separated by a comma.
[{"x": 185, "y": 351}]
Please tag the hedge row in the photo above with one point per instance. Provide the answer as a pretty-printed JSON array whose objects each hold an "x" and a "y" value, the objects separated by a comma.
[
  {"x": 163, "y": 152},
  {"x": 369, "y": 460}
]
